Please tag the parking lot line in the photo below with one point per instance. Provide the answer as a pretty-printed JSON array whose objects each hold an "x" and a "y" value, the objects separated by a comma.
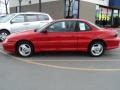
[
  {"x": 67, "y": 68},
  {"x": 61, "y": 67},
  {"x": 76, "y": 60}
]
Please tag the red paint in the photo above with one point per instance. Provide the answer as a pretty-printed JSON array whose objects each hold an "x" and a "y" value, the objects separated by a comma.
[{"x": 63, "y": 41}]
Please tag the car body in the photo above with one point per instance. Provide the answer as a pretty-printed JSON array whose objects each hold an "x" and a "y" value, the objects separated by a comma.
[
  {"x": 63, "y": 35},
  {"x": 18, "y": 22}
]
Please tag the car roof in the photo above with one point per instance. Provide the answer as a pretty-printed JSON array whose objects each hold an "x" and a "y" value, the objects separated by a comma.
[
  {"x": 31, "y": 13},
  {"x": 71, "y": 20}
]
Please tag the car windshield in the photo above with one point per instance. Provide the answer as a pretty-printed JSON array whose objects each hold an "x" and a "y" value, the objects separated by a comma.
[
  {"x": 42, "y": 27},
  {"x": 6, "y": 18}
]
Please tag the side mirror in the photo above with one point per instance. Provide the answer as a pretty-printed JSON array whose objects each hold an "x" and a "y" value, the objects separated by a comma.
[
  {"x": 12, "y": 22},
  {"x": 44, "y": 31}
]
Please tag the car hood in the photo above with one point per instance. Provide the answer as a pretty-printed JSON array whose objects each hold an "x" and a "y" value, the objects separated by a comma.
[{"x": 21, "y": 35}]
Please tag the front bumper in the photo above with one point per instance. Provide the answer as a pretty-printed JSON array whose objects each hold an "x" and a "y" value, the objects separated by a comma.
[{"x": 9, "y": 47}]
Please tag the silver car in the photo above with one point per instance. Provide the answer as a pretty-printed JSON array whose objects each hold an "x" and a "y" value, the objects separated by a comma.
[
  {"x": 2, "y": 16},
  {"x": 18, "y": 22}
]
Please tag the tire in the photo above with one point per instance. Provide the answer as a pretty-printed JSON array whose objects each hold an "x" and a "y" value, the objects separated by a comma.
[
  {"x": 24, "y": 49},
  {"x": 3, "y": 35},
  {"x": 96, "y": 49}
]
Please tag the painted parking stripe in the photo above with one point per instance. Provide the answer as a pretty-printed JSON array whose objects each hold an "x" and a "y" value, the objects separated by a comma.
[
  {"x": 75, "y": 60},
  {"x": 67, "y": 68},
  {"x": 61, "y": 67}
]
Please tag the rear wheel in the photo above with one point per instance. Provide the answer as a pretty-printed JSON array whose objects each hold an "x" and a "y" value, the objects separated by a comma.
[
  {"x": 96, "y": 49},
  {"x": 3, "y": 35},
  {"x": 24, "y": 49}
]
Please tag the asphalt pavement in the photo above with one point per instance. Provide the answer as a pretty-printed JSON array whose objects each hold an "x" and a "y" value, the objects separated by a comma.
[
  {"x": 18, "y": 75},
  {"x": 60, "y": 71}
]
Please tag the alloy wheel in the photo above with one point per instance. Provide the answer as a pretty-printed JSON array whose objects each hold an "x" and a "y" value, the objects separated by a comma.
[
  {"x": 25, "y": 49},
  {"x": 96, "y": 49},
  {"x": 3, "y": 36}
]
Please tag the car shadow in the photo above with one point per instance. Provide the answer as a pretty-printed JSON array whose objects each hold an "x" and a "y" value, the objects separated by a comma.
[{"x": 68, "y": 56}]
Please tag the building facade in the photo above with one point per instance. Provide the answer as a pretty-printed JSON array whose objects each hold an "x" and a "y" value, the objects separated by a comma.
[
  {"x": 54, "y": 7},
  {"x": 58, "y": 8},
  {"x": 92, "y": 10}
]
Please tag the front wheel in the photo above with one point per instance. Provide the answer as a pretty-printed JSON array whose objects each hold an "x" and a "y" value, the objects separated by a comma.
[
  {"x": 24, "y": 49},
  {"x": 3, "y": 35},
  {"x": 96, "y": 49}
]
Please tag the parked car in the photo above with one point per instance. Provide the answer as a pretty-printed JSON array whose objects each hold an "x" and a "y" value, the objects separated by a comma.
[
  {"x": 63, "y": 35},
  {"x": 18, "y": 22}
]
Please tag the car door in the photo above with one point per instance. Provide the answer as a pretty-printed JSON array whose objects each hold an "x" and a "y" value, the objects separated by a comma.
[
  {"x": 18, "y": 24},
  {"x": 32, "y": 21},
  {"x": 83, "y": 35},
  {"x": 60, "y": 36}
]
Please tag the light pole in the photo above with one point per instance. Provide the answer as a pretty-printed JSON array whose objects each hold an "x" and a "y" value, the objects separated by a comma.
[
  {"x": 79, "y": 8},
  {"x": 40, "y": 7},
  {"x": 20, "y": 1}
]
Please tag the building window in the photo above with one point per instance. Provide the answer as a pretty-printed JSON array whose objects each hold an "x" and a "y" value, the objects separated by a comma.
[
  {"x": 107, "y": 16},
  {"x": 72, "y": 8},
  {"x": 103, "y": 16}
]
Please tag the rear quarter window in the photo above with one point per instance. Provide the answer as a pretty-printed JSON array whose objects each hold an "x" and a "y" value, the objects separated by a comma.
[
  {"x": 82, "y": 26},
  {"x": 43, "y": 17},
  {"x": 31, "y": 18}
]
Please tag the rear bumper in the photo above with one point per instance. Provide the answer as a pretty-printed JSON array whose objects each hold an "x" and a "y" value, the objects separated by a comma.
[{"x": 113, "y": 43}]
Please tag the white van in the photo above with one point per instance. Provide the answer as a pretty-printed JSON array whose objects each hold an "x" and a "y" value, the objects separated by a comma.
[{"x": 18, "y": 22}]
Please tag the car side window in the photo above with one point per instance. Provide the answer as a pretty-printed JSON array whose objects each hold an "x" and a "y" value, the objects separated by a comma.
[
  {"x": 82, "y": 26},
  {"x": 31, "y": 18},
  {"x": 18, "y": 19},
  {"x": 43, "y": 17},
  {"x": 62, "y": 26}
]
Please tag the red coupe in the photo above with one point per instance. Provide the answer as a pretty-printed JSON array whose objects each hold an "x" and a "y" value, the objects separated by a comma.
[{"x": 63, "y": 35}]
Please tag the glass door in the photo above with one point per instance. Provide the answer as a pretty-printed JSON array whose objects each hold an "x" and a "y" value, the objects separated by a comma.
[{"x": 72, "y": 8}]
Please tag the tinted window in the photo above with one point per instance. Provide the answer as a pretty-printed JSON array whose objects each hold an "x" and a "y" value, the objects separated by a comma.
[
  {"x": 63, "y": 26},
  {"x": 18, "y": 19},
  {"x": 31, "y": 18},
  {"x": 43, "y": 17}
]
